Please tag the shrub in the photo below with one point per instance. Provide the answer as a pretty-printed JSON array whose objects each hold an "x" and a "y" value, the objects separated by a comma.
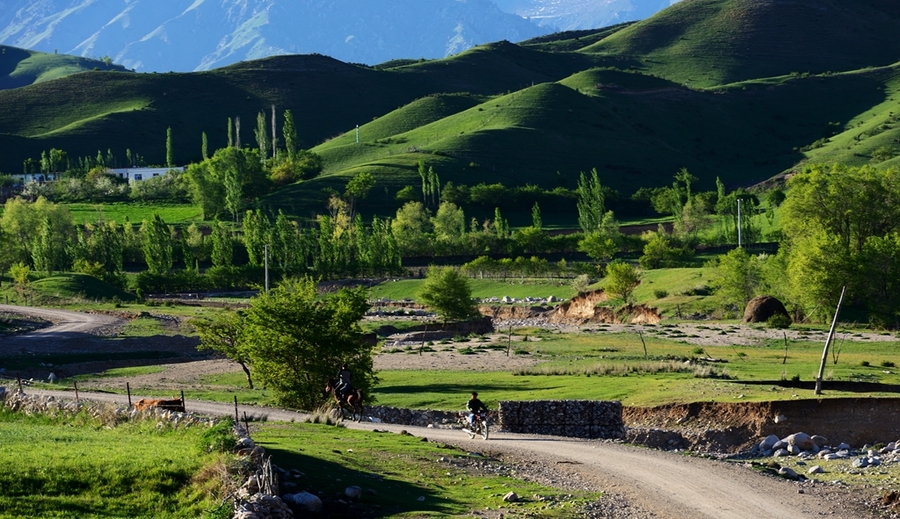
[
  {"x": 888, "y": 364},
  {"x": 580, "y": 283},
  {"x": 660, "y": 293},
  {"x": 864, "y": 363},
  {"x": 779, "y": 321}
]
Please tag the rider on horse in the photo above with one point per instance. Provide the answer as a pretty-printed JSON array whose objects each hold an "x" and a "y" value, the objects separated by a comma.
[{"x": 343, "y": 386}]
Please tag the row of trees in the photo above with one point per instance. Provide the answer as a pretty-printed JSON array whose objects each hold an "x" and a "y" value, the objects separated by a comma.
[{"x": 841, "y": 228}]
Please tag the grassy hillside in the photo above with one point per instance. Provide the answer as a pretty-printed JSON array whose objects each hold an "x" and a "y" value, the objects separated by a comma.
[
  {"x": 20, "y": 67},
  {"x": 704, "y": 43},
  {"x": 717, "y": 86}
]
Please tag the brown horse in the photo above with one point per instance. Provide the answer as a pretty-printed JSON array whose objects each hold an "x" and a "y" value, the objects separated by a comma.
[{"x": 352, "y": 399}]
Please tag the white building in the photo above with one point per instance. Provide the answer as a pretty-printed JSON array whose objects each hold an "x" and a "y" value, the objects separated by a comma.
[
  {"x": 139, "y": 174},
  {"x": 34, "y": 177}
]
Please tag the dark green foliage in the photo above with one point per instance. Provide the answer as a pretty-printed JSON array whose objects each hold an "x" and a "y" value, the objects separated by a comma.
[
  {"x": 779, "y": 321},
  {"x": 296, "y": 341}
]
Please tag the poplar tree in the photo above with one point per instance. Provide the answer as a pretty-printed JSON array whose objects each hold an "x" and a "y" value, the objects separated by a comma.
[
  {"x": 170, "y": 152},
  {"x": 157, "y": 245},
  {"x": 289, "y": 130}
]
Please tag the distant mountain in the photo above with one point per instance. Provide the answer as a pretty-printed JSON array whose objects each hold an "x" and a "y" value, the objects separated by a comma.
[
  {"x": 569, "y": 15},
  {"x": 194, "y": 35}
]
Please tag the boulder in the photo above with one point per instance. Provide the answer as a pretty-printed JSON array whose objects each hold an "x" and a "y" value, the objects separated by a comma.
[
  {"x": 303, "y": 502},
  {"x": 761, "y": 308},
  {"x": 511, "y": 497},
  {"x": 353, "y": 492},
  {"x": 769, "y": 442},
  {"x": 801, "y": 440}
]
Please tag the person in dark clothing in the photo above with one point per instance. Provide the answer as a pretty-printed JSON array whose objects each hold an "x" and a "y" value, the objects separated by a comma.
[
  {"x": 474, "y": 405},
  {"x": 343, "y": 386}
]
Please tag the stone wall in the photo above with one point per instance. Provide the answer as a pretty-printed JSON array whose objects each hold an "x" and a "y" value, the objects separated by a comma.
[
  {"x": 397, "y": 415},
  {"x": 573, "y": 418}
]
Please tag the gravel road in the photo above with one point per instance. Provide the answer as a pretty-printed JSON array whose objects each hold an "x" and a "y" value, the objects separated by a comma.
[{"x": 641, "y": 483}]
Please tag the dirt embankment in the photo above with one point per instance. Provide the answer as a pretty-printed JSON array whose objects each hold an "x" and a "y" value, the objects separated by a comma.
[
  {"x": 579, "y": 310},
  {"x": 733, "y": 427}
]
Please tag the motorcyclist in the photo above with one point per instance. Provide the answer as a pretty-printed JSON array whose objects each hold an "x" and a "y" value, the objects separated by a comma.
[
  {"x": 343, "y": 385},
  {"x": 474, "y": 405}
]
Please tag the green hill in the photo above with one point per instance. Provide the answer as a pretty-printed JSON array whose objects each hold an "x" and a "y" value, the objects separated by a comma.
[
  {"x": 705, "y": 43},
  {"x": 20, "y": 67},
  {"x": 733, "y": 89}
]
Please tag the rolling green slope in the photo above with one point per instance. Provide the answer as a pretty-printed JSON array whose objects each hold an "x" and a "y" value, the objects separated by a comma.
[
  {"x": 704, "y": 43},
  {"x": 20, "y": 67}
]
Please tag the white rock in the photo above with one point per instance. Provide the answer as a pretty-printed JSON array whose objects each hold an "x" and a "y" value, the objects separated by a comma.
[
  {"x": 780, "y": 418},
  {"x": 819, "y": 440},
  {"x": 511, "y": 497},
  {"x": 843, "y": 447},
  {"x": 801, "y": 440},
  {"x": 769, "y": 442}
]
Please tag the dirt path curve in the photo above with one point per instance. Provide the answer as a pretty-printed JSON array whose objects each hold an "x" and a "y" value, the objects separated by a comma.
[
  {"x": 66, "y": 324},
  {"x": 661, "y": 484}
]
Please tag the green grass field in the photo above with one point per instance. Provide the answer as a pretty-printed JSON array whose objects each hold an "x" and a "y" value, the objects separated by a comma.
[
  {"x": 58, "y": 467},
  {"x": 135, "y": 212}
]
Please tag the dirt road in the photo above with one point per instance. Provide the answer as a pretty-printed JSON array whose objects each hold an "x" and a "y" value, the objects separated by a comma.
[
  {"x": 66, "y": 324},
  {"x": 654, "y": 483}
]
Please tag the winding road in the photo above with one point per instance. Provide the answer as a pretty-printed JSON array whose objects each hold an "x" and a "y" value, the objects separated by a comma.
[{"x": 655, "y": 483}]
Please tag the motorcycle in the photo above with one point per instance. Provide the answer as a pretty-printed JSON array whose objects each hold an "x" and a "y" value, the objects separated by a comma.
[{"x": 479, "y": 426}]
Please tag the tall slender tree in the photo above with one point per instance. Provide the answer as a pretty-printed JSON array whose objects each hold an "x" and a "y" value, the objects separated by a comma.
[
  {"x": 262, "y": 136},
  {"x": 289, "y": 130},
  {"x": 170, "y": 150},
  {"x": 157, "y": 242}
]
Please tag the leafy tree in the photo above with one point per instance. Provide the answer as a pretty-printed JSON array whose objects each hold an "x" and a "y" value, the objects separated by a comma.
[
  {"x": 170, "y": 150},
  {"x": 222, "y": 246},
  {"x": 296, "y": 341},
  {"x": 536, "y": 220},
  {"x": 449, "y": 224},
  {"x": 222, "y": 334},
  {"x": 603, "y": 241},
  {"x": 739, "y": 277},
  {"x": 289, "y": 131},
  {"x": 157, "y": 245},
  {"x": 21, "y": 223},
  {"x": 410, "y": 226},
  {"x": 447, "y": 292},
  {"x": 19, "y": 272},
  {"x": 204, "y": 147},
  {"x": 262, "y": 136},
  {"x": 591, "y": 202},
  {"x": 662, "y": 251},
  {"x": 358, "y": 189},
  {"x": 621, "y": 279},
  {"x": 257, "y": 229},
  {"x": 42, "y": 251}
]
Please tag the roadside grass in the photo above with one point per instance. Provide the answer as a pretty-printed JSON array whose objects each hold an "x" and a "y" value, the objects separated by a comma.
[
  {"x": 57, "y": 467},
  {"x": 400, "y": 469}
]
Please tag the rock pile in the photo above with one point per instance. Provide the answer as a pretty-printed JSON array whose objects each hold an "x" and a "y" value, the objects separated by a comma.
[
  {"x": 814, "y": 447},
  {"x": 573, "y": 418}
]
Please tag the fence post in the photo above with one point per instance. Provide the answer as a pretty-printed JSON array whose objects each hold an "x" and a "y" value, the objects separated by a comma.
[
  {"x": 237, "y": 418},
  {"x": 76, "y": 390},
  {"x": 128, "y": 389},
  {"x": 182, "y": 400},
  {"x": 19, "y": 380}
]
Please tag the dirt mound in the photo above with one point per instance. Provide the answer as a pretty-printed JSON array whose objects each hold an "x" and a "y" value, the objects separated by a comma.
[
  {"x": 761, "y": 308},
  {"x": 579, "y": 310},
  {"x": 734, "y": 427}
]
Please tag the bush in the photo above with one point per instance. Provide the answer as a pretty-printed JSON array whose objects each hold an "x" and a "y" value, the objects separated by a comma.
[
  {"x": 580, "y": 283},
  {"x": 888, "y": 364},
  {"x": 780, "y": 321},
  {"x": 660, "y": 293}
]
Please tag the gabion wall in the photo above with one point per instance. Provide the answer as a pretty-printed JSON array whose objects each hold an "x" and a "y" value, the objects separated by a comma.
[{"x": 573, "y": 418}]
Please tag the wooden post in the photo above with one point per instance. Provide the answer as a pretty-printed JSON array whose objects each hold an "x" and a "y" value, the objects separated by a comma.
[
  {"x": 128, "y": 389},
  {"x": 182, "y": 400},
  {"x": 641, "y": 335},
  {"x": 784, "y": 360},
  {"x": 828, "y": 342},
  {"x": 19, "y": 380},
  {"x": 509, "y": 341},
  {"x": 237, "y": 418},
  {"x": 76, "y": 390},
  {"x": 246, "y": 423}
]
